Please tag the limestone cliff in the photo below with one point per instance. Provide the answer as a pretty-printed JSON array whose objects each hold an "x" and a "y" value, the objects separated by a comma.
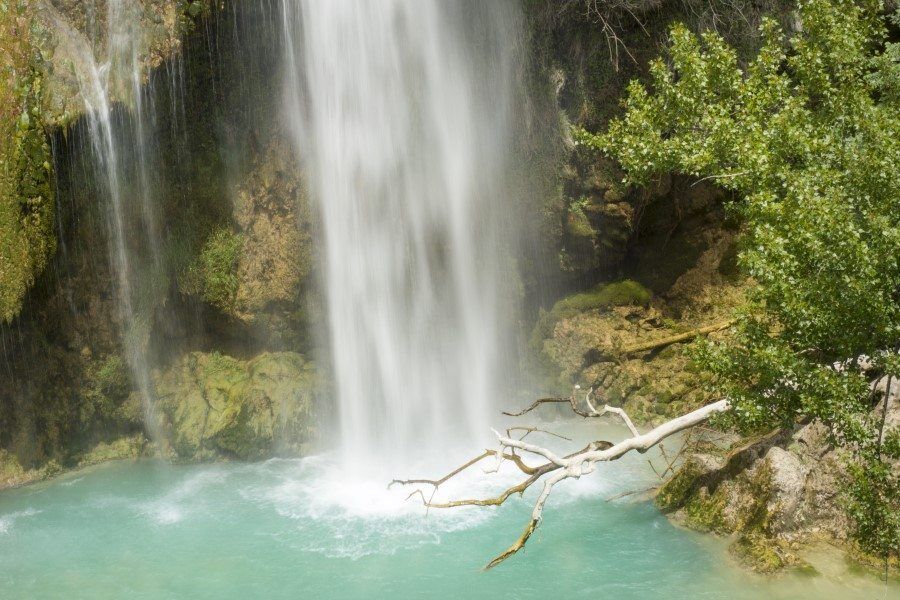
[{"x": 223, "y": 175}]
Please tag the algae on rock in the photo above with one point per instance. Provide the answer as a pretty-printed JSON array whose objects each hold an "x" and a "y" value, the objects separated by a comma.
[
  {"x": 123, "y": 448},
  {"x": 257, "y": 270},
  {"x": 27, "y": 239},
  {"x": 216, "y": 406},
  {"x": 772, "y": 494}
]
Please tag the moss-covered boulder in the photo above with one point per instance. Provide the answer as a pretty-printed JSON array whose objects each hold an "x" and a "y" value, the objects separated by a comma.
[
  {"x": 770, "y": 495},
  {"x": 130, "y": 447},
  {"x": 214, "y": 406}
]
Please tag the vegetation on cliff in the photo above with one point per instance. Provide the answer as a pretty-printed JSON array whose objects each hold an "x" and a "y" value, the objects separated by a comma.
[
  {"x": 808, "y": 137},
  {"x": 26, "y": 193}
]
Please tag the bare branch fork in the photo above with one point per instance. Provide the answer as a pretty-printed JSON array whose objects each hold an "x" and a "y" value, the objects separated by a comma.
[{"x": 556, "y": 468}]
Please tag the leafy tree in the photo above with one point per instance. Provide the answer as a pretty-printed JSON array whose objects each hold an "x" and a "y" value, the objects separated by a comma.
[{"x": 807, "y": 136}]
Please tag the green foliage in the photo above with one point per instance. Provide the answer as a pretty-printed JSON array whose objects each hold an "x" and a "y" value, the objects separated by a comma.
[
  {"x": 213, "y": 275},
  {"x": 105, "y": 389},
  {"x": 26, "y": 196},
  {"x": 808, "y": 136},
  {"x": 873, "y": 505}
]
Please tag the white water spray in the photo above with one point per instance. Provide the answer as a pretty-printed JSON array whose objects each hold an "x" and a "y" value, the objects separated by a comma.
[{"x": 403, "y": 110}]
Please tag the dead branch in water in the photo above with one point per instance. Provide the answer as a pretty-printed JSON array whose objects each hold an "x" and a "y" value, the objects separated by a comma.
[{"x": 555, "y": 469}]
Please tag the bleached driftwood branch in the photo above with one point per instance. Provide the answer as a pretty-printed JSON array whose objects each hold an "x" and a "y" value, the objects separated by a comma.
[{"x": 555, "y": 468}]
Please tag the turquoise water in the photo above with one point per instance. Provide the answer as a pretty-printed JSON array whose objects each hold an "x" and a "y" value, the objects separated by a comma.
[{"x": 292, "y": 529}]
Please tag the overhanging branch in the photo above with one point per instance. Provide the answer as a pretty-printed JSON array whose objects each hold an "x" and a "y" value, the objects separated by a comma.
[{"x": 557, "y": 468}]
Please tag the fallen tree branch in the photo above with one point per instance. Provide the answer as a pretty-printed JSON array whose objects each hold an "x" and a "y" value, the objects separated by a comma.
[
  {"x": 528, "y": 430},
  {"x": 559, "y": 468},
  {"x": 674, "y": 339}
]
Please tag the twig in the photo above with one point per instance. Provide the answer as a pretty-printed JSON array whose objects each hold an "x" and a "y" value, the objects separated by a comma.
[{"x": 631, "y": 493}]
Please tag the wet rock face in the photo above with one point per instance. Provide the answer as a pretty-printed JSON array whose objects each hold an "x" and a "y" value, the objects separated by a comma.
[
  {"x": 27, "y": 240},
  {"x": 57, "y": 402},
  {"x": 44, "y": 45},
  {"x": 598, "y": 215},
  {"x": 273, "y": 215},
  {"x": 66, "y": 28},
  {"x": 652, "y": 233},
  {"x": 214, "y": 406},
  {"x": 589, "y": 338},
  {"x": 256, "y": 271}
]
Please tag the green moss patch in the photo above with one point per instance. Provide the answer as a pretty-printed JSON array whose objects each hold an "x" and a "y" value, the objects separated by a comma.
[
  {"x": 27, "y": 239},
  {"x": 130, "y": 447},
  {"x": 216, "y": 406},
  {"x": 213, "y": 275},
  {"x": 604, "y": 295}
]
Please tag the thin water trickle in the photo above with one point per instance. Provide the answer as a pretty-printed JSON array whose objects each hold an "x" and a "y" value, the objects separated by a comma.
[
  {"x": 403, "y": 112},
  {"x": 112, "y": 87}
]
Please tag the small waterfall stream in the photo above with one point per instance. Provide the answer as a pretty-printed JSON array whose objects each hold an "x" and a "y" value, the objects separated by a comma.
[
  {"x": 121, "y": 140},
  {"x": 402, "y": 110}
]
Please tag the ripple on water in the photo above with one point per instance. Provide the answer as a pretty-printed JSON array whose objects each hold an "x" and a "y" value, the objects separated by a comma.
[
  {"x": 270, "y": 529},
  {"x": 7, "y": 521},
  {"x": 183, "y": 498}
]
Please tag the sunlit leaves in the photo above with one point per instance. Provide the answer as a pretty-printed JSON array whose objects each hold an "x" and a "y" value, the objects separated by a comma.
[{"x": 808, "y": 136}]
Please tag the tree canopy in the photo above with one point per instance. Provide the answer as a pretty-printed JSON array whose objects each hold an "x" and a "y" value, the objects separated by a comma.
[{"x": 807, "y": 137}]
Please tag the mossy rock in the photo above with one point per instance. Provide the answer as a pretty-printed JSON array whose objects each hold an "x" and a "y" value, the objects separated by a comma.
[
  {"x": 212, "y": 276},
  {"x": 604, "y": 295},
  {"x": 677, "y": 490},
  {"x": 104, "y": 394},
  {"x": 216, "y": 406},
  {"x": 12, "y": 474},
  {"x": 130, "y": 447},
  {"x": 27, "y": 237},
  {"x": 253, "y": 266},
  {"x": 758, "y": 552}
]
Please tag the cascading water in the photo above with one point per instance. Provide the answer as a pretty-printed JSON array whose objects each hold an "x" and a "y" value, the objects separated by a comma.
[
  {"x": 122, "y": 149},
  {"x": 403, "y": 110}
]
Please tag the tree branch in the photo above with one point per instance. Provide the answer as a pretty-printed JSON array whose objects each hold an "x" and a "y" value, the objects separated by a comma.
[
  {"x": 674, "y": 339},
  {"x": 558, "y": 469}
]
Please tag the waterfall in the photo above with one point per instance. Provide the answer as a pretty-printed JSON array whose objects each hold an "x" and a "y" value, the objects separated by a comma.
[
  {"x": 123, "y": 152},
  {"x": 403, "y": 112}
]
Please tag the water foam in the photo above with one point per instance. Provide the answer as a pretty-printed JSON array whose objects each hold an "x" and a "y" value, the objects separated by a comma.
[
  {"x": 7, "y": 521},
  {"x": 343, "y": 517},
  {"x": 184, "y": 498}
]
